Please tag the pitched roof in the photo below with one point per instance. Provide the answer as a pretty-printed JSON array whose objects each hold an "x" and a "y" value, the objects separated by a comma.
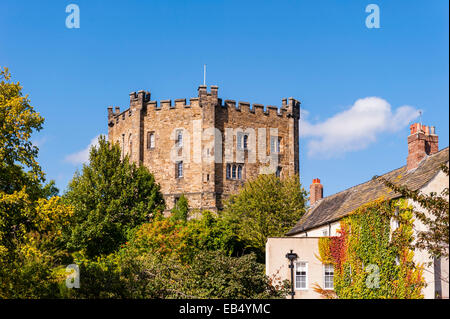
[{"x": 334, "y": 207}]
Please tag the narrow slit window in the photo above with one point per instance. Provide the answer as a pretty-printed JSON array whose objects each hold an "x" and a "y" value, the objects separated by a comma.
[
  {"x": 150, "y": 140},
  {"x": 179, "y": 169}
]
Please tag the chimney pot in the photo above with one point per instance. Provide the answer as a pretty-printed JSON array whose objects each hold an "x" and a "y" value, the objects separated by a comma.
[
  {"x": 421, "y": 142},
  {"x": 315, "y": 191}
]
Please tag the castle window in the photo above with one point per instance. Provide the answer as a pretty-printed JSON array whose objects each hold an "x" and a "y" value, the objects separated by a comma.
[
  {"x": 275, "y": 144},
  {"x": 179, "y": 169},
  {"x": 179, "y": 141},
  {"x": 150, "y": 140},
  {"x": 278, "y": 172},
  {"x": 239, "y": 175},
  {"x": 235, "y": 171},
  {"x": 130, "y": 150},
  {"x": 242, "y": 141}
]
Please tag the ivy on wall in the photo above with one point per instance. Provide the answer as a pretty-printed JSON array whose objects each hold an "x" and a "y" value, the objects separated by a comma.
[{"x": 371, "y": 258}]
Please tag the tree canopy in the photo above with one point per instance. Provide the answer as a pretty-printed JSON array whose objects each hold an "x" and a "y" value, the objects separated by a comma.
[
  {"x": 110, "y": 197},
  {"x": 266, "y": 207}
]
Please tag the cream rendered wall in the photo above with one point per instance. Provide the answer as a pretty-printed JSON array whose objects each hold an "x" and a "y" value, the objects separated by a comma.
[
  {"x": 437, "y": 184},
  {"x": 319, "y": 231},
  {"x": 277, "y": 265}
]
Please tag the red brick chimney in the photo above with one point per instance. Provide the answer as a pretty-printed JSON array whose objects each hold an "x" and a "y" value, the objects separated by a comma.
[
  {"x": 422, "y": 141},
  {"x": 315, "y": 191}
]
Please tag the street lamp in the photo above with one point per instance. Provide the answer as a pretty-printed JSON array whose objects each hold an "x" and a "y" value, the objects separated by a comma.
[{"x": 292, "y": 256}]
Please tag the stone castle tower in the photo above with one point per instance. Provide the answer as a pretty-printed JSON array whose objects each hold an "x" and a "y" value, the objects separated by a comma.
[{"x": 206, "y": 149}]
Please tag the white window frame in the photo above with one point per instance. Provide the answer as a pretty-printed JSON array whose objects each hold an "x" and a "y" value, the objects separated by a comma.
[
  {"x": 325, "y": 276},
  {"x": 306, "y": 275}
]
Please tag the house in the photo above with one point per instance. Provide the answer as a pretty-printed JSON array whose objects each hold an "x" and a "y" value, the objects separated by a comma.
[{"x": 422, "y": 172}]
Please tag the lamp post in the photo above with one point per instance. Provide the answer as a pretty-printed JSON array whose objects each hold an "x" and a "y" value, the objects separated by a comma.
[{"x": 292, "y": 256}]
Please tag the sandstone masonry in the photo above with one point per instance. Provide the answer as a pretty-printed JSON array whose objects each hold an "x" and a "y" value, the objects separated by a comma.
[{"x": 206, "y": 149}]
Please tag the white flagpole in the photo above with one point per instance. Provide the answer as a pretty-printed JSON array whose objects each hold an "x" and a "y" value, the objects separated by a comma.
[{"x": 204, "y": 74}]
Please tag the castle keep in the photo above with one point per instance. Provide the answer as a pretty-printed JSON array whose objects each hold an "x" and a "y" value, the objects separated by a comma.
[{"x": 208, "y": 148}]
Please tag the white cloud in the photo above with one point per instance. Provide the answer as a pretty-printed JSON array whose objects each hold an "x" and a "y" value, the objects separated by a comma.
[
  {"x": 83, "y": 155},
  {"x": 39, "y": 142},
  {"x": 355, "y": 128}
]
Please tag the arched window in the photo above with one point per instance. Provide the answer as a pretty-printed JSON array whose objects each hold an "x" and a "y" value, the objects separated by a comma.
[
  {"x": 239, "y": 172},
  {"x": 234, "y": 172},
  {"x": 179, "y": 138},
  {"x": 228, "y": 171}
]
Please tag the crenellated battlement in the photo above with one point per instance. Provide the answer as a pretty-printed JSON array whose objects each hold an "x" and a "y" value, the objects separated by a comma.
[{"x": 290, "y": 107}]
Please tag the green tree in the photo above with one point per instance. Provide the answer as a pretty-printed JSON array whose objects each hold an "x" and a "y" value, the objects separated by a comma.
[
  {"x": 17, "y": 121},
  {"x": 110, "y": 197},
  {"x": 266, "y": 206},
  {"x": 185, "y": 240},
  {"x": 181, "y": 209},
  {"x": 130, "y": 273},
  {"x": 31, "y": 216}
]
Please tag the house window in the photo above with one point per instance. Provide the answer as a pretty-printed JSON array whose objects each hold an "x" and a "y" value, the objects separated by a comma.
[
  {"x": 150, "y": 140},
  {"x": 179, "y": 169},
  {"x": 328, "y": 276},
  {"x": 228, "y": 171},
  {"x": 233, "y": 173},
  {"x": 301, "y": 275},
  {"x": 179, "y": 140},
  {"x": 275, "y": 144},
  {"x": 239, "y": 175},
  {"x": 395, "y": 222}
]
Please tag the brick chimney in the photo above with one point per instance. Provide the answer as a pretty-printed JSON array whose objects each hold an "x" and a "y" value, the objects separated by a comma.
[
  {"x": 315, "y": 191},
  {"x": 422, "y": 141}
]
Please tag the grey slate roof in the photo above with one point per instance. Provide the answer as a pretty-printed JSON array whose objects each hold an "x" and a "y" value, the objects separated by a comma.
[{"x": 334, "y": 207}]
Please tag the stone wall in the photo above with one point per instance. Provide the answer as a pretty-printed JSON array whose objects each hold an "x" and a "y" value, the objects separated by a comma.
[{"x": 205, "y": 122}]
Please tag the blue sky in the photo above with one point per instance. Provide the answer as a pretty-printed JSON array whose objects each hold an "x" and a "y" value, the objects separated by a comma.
[{"x": 319, "y": 52}]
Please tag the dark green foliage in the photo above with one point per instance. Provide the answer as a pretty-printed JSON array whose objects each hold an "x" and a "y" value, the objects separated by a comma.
[
  {"x": 266, "y": 207},
  {"x": 110, "y": 197},
  {"x": 181, "y": 209}
]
